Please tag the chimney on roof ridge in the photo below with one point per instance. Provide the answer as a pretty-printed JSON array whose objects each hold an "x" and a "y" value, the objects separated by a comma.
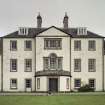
[
  {"x": 39, "y": 21},
  {"x": 65, "y": 21}
]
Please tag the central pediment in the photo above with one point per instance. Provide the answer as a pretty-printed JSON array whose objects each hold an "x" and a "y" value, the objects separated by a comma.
[{"x": 53, "y": 31}]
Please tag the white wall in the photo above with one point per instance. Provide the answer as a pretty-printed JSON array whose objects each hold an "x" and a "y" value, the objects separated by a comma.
[
  {"x": 63, "y": 83},
  {"x": 84, "y": 55},
  {"x": 43, "y": 84},
  {"x": 20, "y": 55}
]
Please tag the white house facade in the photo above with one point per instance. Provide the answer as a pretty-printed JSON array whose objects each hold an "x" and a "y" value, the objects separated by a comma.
[{"x": 51, "y": 59}]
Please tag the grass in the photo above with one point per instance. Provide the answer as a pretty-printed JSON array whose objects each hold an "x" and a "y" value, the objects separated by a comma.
[{"x": 53, "y": 100}]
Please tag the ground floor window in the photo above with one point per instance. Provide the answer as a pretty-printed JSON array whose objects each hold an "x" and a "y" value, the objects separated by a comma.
[
  {"x": 13, "y": 83},
  {"x": 28, "y": 83},
  {"x": 77, "y": 83},
  {"x": 38, "y": 83},
  {"x": 67, "y": 83},
  {"x": 92, "y": 83}
]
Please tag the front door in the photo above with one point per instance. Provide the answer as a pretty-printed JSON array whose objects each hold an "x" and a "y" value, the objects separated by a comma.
[{"x": 53, "y": 84}]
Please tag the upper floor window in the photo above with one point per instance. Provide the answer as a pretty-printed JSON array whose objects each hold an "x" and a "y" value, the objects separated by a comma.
[
  {"x": 77, "y": 65},
  {"x": 77, "y": 45},
  {"x": 92, "y": 83},
  {"x": 13, "y": 65},
  {"x": 28, "y": 65},
  {"x": 92, "y": 65},
  {"x": 91, "y": 45},
  {"x": 77, "y": 83},
  {"x": 52, "y": 43},
  {"x": 13, "y": 83},
  {"x": 53, "y": 62},
  {"x": 28, "y": 45},
  {"x": 13, "y": 45}
]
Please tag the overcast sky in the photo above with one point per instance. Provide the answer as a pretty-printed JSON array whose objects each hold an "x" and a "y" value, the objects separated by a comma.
[{"x": 22, "y": 13}]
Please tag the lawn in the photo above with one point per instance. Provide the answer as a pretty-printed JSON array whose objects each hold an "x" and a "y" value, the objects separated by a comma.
[{"x": 53, "y": 100}]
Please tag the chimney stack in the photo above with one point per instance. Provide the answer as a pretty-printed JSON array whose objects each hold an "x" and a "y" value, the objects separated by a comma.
[
  {"x": 39, "y": 21},
  {"x": 65, "y": 21}
]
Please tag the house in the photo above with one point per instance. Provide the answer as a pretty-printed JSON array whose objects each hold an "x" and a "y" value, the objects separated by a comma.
[{"x": 51, "y": 59}]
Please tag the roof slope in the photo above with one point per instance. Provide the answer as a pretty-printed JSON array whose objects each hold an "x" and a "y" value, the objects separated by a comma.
[{"x": 33, "y": 32}]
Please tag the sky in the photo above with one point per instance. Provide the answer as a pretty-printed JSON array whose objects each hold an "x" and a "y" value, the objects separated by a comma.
[{"x": 23, "y": 13}]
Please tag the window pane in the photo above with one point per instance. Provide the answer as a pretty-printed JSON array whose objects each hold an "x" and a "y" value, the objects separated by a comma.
[
  {"x": 13, "y": 45},
  {"x": 28, "y": 64},
  {"x": 77, "y": 45},
  {"x": 28, "y": 45},
  {"x": 28, "y": 83},
  {"x": 52, "y": 43},
  {"x": 60, "y": 63},
  {"x": 92, "y": 65},
  {"x": 67, "y": 83},
  {"x": 77, "y": 83},
  {"x": 13, "y": 83},
  {"x": 92, "y": 83},
  {"x": 38, "y": 83},
  {"x": 13, "y": 64},
  {"x": 77, "y": 65},
  {"x": 46, "y": 63},
  {"x": 92, "y": 45}
]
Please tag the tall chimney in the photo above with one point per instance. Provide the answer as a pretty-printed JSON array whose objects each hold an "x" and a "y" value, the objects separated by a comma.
[
  {"x": 65, "y": 21},
  {"x": 39, "y": 21}
]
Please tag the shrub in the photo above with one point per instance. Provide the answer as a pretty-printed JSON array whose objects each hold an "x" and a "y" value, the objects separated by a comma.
[{"x": 86, "y": 88}]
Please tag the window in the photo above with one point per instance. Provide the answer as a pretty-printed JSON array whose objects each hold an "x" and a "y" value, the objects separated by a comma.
[
  {"x": 38, "y": 83},
  {"x": 13, "y": 45},
  {"x": 92, "y": 83},
  {"x": 67, "y": 83},
  {"x": 52, "y": 62},
  {"x": 77, "y": 45},
  {"x": 13, "y": 65},
  {"x": 28, "y": 83},
  {"x": 77, "y": 65},
  {"x": 54, "y": 43},
  {"x": 28, "y": 65},
  {"x": 13, "y": 83},
  {"x": 77, "y": 83},
  {"x": 92, "y": 65},
  {"x": 92, "y": 45},
  {"x": 28, "y": 45}
]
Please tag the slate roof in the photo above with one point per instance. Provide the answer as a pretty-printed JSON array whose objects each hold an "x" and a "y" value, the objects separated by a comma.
[{"x": 32, "y": 32}]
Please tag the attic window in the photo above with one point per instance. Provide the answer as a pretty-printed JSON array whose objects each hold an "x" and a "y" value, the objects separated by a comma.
[
  {"x": 82, "y": 31},
  {"x": 23, "y": 31}
]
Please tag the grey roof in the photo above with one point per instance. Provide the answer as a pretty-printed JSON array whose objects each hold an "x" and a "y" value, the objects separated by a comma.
[{"x": 32, "y": 32}]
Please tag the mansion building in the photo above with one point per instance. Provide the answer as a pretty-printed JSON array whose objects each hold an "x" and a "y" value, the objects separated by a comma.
[{"x": 51, "y": 59}]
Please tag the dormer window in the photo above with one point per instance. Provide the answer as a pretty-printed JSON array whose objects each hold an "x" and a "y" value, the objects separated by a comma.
[
  {"x": 23, "y": 31},
  {"x": 82, "y": 31}
]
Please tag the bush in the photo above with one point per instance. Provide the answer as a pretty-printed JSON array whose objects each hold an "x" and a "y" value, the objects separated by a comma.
[{"x": 86, "y": 88}]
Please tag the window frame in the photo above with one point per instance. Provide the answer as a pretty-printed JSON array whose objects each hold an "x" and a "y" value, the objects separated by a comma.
[
  {"x": 25, "y": 45},
  {"x": 94, "y": 69},
  {"x": 11, "y": 45},
  {"x": 94, "y": 82},
  {"x": 93, "y": 46},
  {"x": 56, "y": 45},
  {"x": 77, "y": 45},
  {"x": 67, "y": 83},
  {"x": 79, "y": 69},
  {"x": 11, "y": 87},
  {"x": 11, "y": 65},
  {"x": 28, "y": 84},
  {"x": 76, "y": 87},
  {"x": 57, "y": 66},
  {"x": 25, "y": 61},
  {"x": 38, "y": 83}
]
